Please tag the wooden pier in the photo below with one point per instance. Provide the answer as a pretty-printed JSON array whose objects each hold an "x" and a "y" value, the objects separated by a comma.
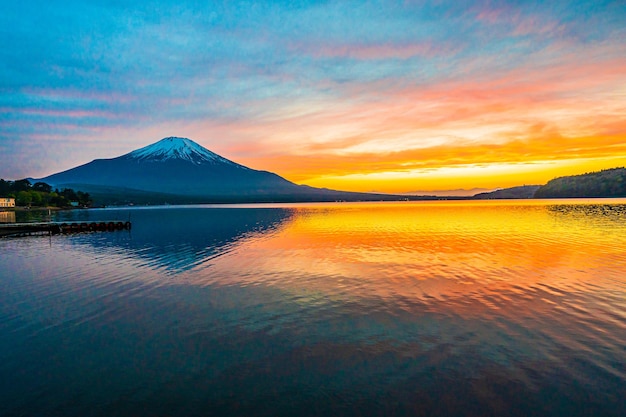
[{"x": 55, "y": 228}]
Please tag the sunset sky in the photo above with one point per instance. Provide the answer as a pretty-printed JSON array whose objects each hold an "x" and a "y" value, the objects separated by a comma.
[{"x": 386, "y": 96}]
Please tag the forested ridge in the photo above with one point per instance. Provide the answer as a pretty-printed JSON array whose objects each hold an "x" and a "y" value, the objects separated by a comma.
[{"x": 605, "y": 183}]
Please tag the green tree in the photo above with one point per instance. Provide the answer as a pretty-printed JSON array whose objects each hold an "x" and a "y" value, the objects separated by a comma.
[
  {"x": 24, "y": 198},
  {"x": 21, "y": 185},
  {"x": 69, "y": 194},
  {"x": 5, "y": 187},
  {"x": 84, "y": 199},
  {"x": 42, "y": 186},
  {"x": 36, "y": 198}
]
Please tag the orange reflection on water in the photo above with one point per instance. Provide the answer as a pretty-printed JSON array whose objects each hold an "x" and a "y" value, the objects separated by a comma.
[
  {"x": 464, "y": 251},
  {"x": 7, "y": 217}
]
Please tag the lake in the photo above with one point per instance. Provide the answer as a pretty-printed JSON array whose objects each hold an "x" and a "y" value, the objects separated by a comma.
[{"x": 460, "y": 308}]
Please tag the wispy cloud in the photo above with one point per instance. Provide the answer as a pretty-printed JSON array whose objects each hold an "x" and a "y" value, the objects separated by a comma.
[{"x": 314, "y": 89}]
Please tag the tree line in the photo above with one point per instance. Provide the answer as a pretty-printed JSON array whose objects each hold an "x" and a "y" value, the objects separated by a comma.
[
  {"x": 41, "y": 194},
  {"x": 606, "y": 183}
]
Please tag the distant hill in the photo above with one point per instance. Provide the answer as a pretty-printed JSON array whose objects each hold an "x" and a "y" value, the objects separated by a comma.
[
  {"x": 178, "y": 170},
  {"x": 606, "y": 183},
  {"x": 524, "y": 191}
]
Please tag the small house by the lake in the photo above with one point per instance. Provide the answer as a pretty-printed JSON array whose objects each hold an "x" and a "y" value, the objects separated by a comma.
[{"x": 7, "y": 202}]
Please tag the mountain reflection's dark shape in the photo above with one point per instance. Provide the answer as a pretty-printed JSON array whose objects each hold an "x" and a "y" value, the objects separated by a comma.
[{"x": 176, "y": 238}]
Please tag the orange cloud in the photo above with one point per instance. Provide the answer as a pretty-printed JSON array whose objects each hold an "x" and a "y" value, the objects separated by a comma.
[{"x": 545, "y": 113}]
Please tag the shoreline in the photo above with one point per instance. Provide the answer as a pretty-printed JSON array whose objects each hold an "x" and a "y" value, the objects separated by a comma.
[{"x": 31, "y": 209}]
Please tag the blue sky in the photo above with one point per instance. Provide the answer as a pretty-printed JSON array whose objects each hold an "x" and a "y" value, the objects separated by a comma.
[{"x": 365, "y": 95}]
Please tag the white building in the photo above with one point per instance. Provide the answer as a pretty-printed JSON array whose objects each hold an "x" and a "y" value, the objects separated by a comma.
[{"x": 7, "y": 202}]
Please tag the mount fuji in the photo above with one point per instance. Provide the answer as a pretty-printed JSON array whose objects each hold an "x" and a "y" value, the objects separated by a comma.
[{"x": 181, "y": 171}]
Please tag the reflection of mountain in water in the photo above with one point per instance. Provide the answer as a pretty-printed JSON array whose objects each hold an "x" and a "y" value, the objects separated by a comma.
[{"x": 181, "y": 238}]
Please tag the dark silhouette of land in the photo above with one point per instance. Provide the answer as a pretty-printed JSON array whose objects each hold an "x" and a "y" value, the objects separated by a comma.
[{"x": 605, "y": 183}]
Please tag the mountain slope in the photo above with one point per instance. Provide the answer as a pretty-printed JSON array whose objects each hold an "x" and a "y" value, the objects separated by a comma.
[
  {"x": 176, "y": 166},
  {"x": 523, "y": 191},
  {"x": 183, "y": 149},
  {"x": 606, "y": 183},
  {"x": 179, "y": 167}
]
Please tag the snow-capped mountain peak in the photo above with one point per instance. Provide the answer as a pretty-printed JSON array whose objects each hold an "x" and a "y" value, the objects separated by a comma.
[{"x": 178, "y": 148}]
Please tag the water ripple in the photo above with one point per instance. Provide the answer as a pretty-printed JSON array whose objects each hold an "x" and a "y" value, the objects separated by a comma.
[{"x": 309, "y": 310}]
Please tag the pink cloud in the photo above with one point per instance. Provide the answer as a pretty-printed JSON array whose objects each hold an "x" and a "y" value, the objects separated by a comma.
[
  {"x": 568, "y": 109},
  {"x": 79, "y": 113},
  {"x": 519, "y": 24},
  {"x": 492, "y": 16},
  {"x": 374, "y": 51},
  {"x": 74, "y": 94}
]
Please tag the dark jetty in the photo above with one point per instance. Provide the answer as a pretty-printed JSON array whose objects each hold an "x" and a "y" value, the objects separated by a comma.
[{"x": 54, "y": 228}]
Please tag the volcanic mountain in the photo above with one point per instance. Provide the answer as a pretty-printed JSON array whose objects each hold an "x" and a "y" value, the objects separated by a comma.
[{"x": 180, "y": 170}]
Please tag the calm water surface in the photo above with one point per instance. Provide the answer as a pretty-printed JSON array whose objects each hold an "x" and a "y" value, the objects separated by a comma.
[{"x": 388, "y": 309}]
